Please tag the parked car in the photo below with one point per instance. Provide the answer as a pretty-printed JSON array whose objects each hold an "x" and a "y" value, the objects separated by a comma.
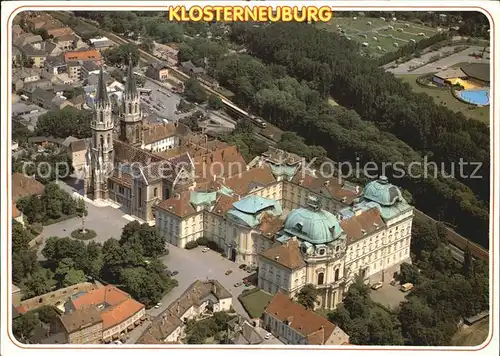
[
  {"x": 248, "y": 269},
  {"x": 377, "y": 285},
  {"x": 406, "y": 287},
  {"x": 118, "y": 342},
  {"x": 157, "y": 306},
  {"x": 242, "y": 266},
  {"x": 268, "y": 336},
  {"x": 205, "y": 249},
  {"x": 393, "y": 282},
  {"x": 174, "y": 273},
  {"x": 238, "y": 284},
  {"x": 228, "y": 272}
]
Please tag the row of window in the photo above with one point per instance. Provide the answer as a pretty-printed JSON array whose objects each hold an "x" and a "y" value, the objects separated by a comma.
[{"x": 401, "y": 255}]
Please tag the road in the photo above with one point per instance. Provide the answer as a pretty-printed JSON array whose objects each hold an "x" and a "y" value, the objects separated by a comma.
[{"x": 441, "y": 64}]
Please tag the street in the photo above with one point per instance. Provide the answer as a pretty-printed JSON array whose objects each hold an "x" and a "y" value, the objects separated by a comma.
[
  {"x": 271, "y": 340},
  {"x": 441, "y": 64}
]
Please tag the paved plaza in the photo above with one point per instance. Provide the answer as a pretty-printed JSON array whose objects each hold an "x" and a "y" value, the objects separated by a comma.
[{"x": 194, "y": 264}]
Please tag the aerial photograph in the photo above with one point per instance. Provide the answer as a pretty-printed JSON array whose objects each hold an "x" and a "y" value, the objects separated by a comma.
[{"x": 250, "y": 183}]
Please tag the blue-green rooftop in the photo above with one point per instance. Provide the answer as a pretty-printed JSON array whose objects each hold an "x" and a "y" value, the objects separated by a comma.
[
  {"x": 382, "y": 192},
  {"x": 249, "y": 208},
  {"x": 253, "y": 204},
  {"x": 202, "y": 198},
  {"x": 313, "y": 225}
]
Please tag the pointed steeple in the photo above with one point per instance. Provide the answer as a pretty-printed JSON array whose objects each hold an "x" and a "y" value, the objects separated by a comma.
[
  {"x": 101, "y": 97},
  {"x": 130, "y": 87}
]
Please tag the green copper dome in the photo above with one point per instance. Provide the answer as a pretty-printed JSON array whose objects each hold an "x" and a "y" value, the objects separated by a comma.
[
  {"x": 313, "y": 225},
  {"x": 382, "y": 192}
]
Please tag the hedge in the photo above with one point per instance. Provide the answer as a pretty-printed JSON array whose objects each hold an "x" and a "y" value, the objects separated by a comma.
[
  {"x": 78, "y": 234},
  {"x": 191, "y": 244}
]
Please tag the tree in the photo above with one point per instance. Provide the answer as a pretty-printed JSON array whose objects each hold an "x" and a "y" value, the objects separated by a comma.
[
  {"x": 24, "y": 264},
  {"x": 52, "y": 204},
  {"x": 145, "y": 287},
  {"x": 24, "y": 326},
  {"x": 147, "y": 44},
  {"x": 215, "y": 102},
  {"x": 308, "y": 296},
  {"x": 152, "y": 242},
  {"x": 20, "y": 237},
  {"x": 468, "y": 264},
  {"x": 119, "y": 55},
  {"x": 64, "y": 123},
  {"x": 244, "y": 126},
  {"x": 63, "y": 267},
  {"x": 194, "y": 92},
  {"x": 95, "y": 258},
  {"x": 25, "y": 62},
  {"x": 409, "y": 273},
  {"x": 46, "y": 314},
  {"x": 73, "y": 92},
  {"x": 72, "y": 277},
  {"x": 114, "y": 258},
  {"x": 37, "y": 284},
  {"x": 130, "y": 230}
]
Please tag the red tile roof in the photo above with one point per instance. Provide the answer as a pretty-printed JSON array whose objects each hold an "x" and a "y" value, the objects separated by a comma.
[
  {"x": 287, "y": 254},
  {"x": 118, "y": 305},
  {"x": 178, "y": 205},
  {"x": 314, "y": 327},
  {"x": 331, "y": 187},
  {"x": 223, "y": 162},
  {"x": 154, "y": 133},
  {"x": 360, "y": 225},
  {"x": 244, "y": 182},
  {"x": 270, "y": 225},
  {"x": 82, "y": 56}
]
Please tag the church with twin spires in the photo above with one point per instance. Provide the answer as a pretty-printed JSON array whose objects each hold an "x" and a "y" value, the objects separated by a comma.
[{"x": 123, "y": 163}]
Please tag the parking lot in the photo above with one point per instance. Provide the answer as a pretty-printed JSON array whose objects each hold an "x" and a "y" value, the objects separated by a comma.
[
  {"x": 194, "y": 264},
  {"x": 389, "y": 296},
  {"x": 441, "y": 64},
  {"x": 162, "y": 101},
  {"x": 163, "y": 104}
]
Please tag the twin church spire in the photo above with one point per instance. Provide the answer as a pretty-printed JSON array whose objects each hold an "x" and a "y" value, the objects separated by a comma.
[{"x": 101, "y": 153}]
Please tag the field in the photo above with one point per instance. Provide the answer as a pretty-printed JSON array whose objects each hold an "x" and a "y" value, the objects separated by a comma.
[
  {"x": 444, "y": 97},
  {"x": 473, "y": 335},
  {"x": 378, "y": 33},
  {"x": 255, "y": 302}
]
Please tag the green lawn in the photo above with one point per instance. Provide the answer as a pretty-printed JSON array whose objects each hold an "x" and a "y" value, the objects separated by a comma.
[
  {"x": 444, "y": 97},
  {"x": 355, "y": 28},
  {"x": 402, "y": 35},
  {"x": 255, "y": 302},
  {"x": 473, "y": 335}
]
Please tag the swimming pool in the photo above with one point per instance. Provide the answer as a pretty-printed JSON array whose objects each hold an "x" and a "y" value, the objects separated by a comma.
[{"x": 476, "y": 96}]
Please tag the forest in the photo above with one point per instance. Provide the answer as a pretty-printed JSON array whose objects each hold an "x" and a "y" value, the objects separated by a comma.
[{"x": 383, "y": 119}]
